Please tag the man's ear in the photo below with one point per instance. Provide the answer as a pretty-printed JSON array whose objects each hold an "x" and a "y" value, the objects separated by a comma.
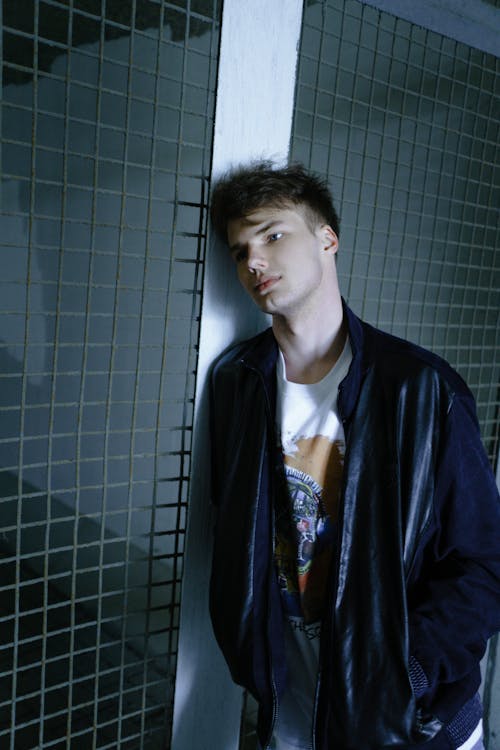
[{"x": 329, "y": 239}]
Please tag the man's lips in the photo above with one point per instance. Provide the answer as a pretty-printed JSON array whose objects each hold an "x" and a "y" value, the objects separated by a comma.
[{"x": 266, "y": 283}]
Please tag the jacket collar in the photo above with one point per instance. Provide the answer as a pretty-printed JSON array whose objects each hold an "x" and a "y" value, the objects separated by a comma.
[
  {"x": 350, "y": 386},
  {"x": 262, "y": 356}
]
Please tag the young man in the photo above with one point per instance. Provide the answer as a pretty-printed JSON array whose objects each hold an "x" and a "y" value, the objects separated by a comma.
[{"x": 356, "y": 572}]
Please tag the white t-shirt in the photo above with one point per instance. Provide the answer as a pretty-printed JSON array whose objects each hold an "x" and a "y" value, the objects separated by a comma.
[{"x": 312, "y": 442}]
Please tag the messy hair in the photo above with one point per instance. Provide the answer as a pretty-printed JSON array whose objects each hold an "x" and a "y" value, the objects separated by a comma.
[{"x": 261, "y": 184}]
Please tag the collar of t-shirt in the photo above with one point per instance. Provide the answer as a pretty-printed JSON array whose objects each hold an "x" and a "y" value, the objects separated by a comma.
[{"x": 309, "y": 398}]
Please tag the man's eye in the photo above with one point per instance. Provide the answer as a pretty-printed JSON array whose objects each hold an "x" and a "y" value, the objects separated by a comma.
[
  {"x": 239, "y": 255},
  {"x": 275, "y": 236}
]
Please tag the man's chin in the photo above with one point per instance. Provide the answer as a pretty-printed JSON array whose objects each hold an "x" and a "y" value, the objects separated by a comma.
[
  {"x": 266, "y": 305},
  {"x": 271, "y": 304}
]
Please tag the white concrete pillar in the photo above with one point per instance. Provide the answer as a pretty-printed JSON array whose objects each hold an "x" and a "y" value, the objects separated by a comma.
[{"x": 255, "y": 96}]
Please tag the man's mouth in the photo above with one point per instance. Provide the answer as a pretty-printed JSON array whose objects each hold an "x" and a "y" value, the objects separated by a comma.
[{"x": 266, "y": 283}]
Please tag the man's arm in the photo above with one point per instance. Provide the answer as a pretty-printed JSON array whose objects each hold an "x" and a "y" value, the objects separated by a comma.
[{"x": 455, "y": 603}]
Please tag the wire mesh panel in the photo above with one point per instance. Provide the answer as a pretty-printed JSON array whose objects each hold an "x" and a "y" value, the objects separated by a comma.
[
  {"x": 106, "y": 125},
  {"x": 404, "y": 122}
]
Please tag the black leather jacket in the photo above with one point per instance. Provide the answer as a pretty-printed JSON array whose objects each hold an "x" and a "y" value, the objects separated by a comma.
[{"x": 415, "y": 581}]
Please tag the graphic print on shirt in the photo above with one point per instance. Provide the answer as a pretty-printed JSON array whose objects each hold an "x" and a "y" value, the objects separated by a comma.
[{"x": 305, "y": 530}]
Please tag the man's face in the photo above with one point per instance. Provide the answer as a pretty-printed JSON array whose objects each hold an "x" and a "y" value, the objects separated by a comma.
[{"x": 281, "y": 262}]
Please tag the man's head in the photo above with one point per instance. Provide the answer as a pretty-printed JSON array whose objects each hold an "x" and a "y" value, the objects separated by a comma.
[
  {"x": 281, "y": 229},
  {"x": 260, "y": 185}
]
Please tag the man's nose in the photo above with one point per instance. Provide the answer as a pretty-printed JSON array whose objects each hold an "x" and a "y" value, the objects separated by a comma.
[{"x": 256, "y": 260}]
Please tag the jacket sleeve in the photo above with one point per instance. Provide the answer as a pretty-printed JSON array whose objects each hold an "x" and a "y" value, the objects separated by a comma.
[{"x": 455, "y": 602}]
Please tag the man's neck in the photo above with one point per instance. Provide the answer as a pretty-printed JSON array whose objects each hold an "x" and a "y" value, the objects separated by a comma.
[{"x": 311, "y": 347}]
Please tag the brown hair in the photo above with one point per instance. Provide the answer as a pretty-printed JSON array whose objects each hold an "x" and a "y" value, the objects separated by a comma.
[{"x": 245, "y": 189}]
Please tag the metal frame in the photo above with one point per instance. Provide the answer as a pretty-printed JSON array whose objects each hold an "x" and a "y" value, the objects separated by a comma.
[{"x": 476, "y": 24}]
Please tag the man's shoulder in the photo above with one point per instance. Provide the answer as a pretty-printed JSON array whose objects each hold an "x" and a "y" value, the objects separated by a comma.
[{"x": 398, "y": 358}]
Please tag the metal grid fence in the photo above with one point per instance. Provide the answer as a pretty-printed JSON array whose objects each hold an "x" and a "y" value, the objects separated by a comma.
[
  {"x": 106, "y": 124},
  {"x": 404, "y": 122}
]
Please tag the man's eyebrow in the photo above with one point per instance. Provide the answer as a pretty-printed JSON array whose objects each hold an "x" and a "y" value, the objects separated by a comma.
[
  {"x": 268, "y": 226},
  {"x": 262, "y": 230}
]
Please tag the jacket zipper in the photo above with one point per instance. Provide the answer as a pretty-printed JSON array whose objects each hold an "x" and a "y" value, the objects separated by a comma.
[
  {"x": 332, "y": 591},
  {"x": 275, "y": 711},
  {"x": 274, "y": 718},
  {"x": 333, "y": 585}
]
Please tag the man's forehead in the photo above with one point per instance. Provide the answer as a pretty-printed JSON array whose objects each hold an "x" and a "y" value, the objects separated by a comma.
[{"x": 266, "y": 213}]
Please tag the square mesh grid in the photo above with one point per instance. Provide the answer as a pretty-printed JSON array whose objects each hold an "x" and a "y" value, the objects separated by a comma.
[
  {"x": 106, "y": 125},
  {"x": 404, "y": 122}
]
